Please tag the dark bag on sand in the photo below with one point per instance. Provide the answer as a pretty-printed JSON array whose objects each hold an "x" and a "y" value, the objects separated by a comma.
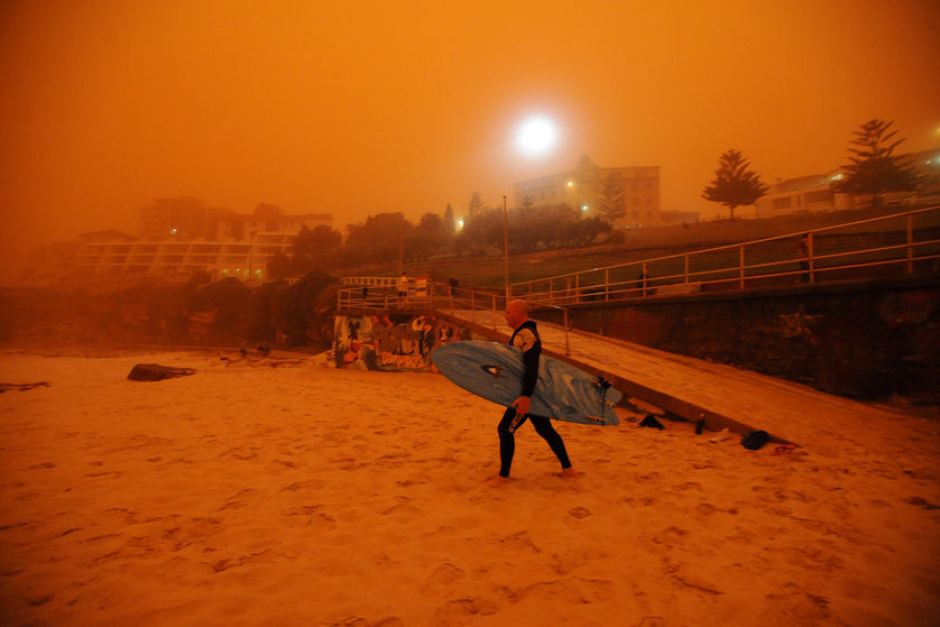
[
  {"x": 755, "y": 440},
  {"x": 650, "y": 421},
  {"x": 156, "y": 372}
]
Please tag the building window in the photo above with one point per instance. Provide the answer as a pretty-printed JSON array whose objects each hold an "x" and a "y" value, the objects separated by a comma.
[{"x": 821, "y": 196}]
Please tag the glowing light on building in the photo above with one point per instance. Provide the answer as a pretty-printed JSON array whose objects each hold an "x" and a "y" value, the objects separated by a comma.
[
  {"x": 584, "y": 207},
  {"x": 459, "y": 224},
  {"x": 570, "y": 183}
]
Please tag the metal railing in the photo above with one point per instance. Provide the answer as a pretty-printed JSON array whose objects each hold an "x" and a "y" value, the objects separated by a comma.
[
  {"x": 477, "y": 306},
  {"x": 901, "y": 244},
  {"x": 382, "y": 293}
]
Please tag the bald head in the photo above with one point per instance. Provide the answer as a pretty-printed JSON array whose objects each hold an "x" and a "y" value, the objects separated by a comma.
[{"x": 517, "y": 312}]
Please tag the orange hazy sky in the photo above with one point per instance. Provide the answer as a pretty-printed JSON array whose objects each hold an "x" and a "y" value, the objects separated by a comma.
[{"x": 358, "y": 108}]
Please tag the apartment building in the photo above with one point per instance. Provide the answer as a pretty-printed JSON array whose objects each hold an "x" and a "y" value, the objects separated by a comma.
[{"x": 588, "y": 186}]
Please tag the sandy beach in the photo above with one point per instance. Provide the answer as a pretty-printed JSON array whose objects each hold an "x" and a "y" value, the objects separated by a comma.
[{"x": 253, "y": 495}]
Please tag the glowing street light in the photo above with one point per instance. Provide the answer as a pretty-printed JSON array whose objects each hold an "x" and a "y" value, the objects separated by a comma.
[
  {"x": 570, "y": 184},
  {"x": 459, "y": 224},
  {"x": 584, "y": 208}
]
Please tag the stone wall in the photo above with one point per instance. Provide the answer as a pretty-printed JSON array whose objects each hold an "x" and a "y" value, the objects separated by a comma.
[{"x": 866, "y": 341}]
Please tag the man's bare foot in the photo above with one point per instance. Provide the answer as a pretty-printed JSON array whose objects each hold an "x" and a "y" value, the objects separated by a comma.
[
  {"x": 569, "y": 472},
  {"x": 496, "y": 481}
]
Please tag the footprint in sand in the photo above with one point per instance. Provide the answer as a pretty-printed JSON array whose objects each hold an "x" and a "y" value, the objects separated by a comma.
[
  {"x": 638, "y": 501},
  {"x": 458, "y": 611},
  {"x": 520, "y": 541},
  {"x": 309, "y": 484},
  {"x": 445, "y": 574},
  {"x": 236, "y": 500},
  {"x": 358, "y": 621},
  {"x": 672, "y": 535},
  {"x": 567, "y": 590},
  {"x": 565, "y": 563},
  {"x": 403, "y": 507},
  {"x": 796, "y": 604},
  {"x": 579, "y": 512},
  {"x": 236, "y": 562}
]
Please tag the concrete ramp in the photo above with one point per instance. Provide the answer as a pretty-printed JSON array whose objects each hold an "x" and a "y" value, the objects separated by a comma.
[{"x": 726, "y": 397}]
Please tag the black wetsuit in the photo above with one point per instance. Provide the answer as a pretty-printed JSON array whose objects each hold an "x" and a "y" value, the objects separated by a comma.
[{"x": 543, "y": 425}]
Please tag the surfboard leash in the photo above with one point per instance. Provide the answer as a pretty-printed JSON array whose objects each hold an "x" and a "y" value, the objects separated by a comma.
[{"x": 604, "y": 385}]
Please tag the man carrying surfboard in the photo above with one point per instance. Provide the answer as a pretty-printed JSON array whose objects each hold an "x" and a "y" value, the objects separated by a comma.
[{"x": 525, "y": 337}]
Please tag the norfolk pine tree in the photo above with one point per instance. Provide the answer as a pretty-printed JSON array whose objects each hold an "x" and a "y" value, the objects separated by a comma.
[
  {"x": 734, "y": 185},
  {"x": 874, "y": 170},
  {"x": 611, "y": 200}
]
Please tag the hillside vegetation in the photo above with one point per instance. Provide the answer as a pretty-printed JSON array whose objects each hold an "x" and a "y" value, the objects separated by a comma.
[{"x": 645, "y": 243}]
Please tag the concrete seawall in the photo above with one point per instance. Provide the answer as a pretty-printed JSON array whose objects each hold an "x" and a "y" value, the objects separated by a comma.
[{"x": 864, "y": 340}]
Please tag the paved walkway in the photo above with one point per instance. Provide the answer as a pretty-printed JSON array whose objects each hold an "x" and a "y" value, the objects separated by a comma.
[{"x": 729, "y": 397}]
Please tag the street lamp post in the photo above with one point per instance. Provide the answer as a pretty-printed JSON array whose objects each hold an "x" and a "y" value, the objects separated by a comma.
[{"x": 506, "y": 249}]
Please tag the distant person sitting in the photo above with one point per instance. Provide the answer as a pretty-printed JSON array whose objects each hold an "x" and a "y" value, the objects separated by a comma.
[
  {"x": 402, "y": 287},
  {"x": 804, "y": 258}
]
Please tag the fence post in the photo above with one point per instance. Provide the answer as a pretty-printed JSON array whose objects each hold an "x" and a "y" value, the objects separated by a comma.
[
  {"x": 686, "y": 271},
  {"x": 606, "y": 284},
  {"x": 567, "y": 343},
  {"x": 645, "y": 280},
  {"x": 910, "y": 244},
  {"x": 741, "y": 267},
  {"x": 577, "y": 288},
  {"x": 810, "y": 252}
]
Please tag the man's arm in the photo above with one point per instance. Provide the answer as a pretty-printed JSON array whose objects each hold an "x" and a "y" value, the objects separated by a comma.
[{"x": 530, "y": 359}]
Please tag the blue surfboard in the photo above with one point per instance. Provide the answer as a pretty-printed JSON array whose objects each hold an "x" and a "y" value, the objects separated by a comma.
[{"x": 494, "y": 371}]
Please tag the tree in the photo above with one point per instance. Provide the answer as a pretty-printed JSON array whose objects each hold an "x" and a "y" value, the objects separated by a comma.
[
  {"x": 449, "y": 223},
  {"x": 318, "y": 242},
  {"x": 874, "y": 169},
  {"x": 427, "y": 238},
  {"x": 735, "y": 184},
  {"x": 611, "y": 200},
  {"x": 475, "y": 205},
  {"x": 279, "y": 266},
  {"x": 379, "y": 239}
]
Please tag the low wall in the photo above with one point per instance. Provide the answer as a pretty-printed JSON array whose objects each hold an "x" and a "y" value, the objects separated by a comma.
[{"x": 862, "y": 340}]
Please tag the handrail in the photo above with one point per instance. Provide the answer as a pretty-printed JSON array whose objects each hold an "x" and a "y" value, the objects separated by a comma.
[
  {"x": 441, "y": 296},
  {"x": 579, "y": 287}
]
